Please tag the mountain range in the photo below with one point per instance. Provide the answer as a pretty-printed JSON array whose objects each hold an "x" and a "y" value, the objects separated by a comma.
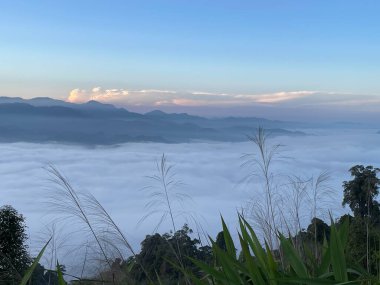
[{"x": 45, "y": 119}]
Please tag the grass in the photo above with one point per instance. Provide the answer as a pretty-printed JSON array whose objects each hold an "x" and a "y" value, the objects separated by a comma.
[{"x": 259, "y": 266}]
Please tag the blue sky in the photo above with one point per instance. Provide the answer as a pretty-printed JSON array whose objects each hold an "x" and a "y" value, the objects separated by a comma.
[{"x": 50, "y": 48}]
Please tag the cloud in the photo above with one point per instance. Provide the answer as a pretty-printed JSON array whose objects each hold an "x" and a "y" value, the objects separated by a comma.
[
  {"x": 155, "y": 97},
  {"x": 212, "y": 174},
  {"x": 169, "y": 98},
  {"x": 97, "y": 94},
  {"x": 283, "y": 96},
  {"x": 301, "y": 105}
]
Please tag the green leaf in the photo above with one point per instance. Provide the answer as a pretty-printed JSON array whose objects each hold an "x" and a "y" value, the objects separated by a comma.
[
  {"x": 271, "y": 262},
  {"x": 293, "y": 258},
  {"x": 31, "y": 269},
  {"x": 209, "y": 269},
  {"x": 315, "y": 281},
  {"x": 228, "y": 239},
  {"x": 338, "y": 259},
  {"x": 230, "y": 265},
  {"x": 61, "y": 281},
  {"x": 254, "y": 271},
  {"x": 253, "y": 241},
  {"x": 343, "y": 233},
  {"x": 188, "y": 273}
]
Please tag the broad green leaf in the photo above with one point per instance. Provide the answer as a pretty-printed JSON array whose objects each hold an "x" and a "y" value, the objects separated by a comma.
[
  {"x": 325, "y": 259},
  {"x": 228, "y": 239},
  {"x": 254, "y": 242},
  {"x": 343, "y": 233},
  {"x": 293, "y": 258},
  {"x": 338, "y": 259},
  {"x": 252, "y": 267},
  {"x": 30, "y": 270},
  {"x": 61, "y": 281}
]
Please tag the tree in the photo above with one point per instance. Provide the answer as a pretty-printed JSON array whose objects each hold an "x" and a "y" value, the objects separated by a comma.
[
  {"x": 158, "y": 256},
  {"x": 360, "y": 194},
  {"x": 318, "y": 229},
  {"x": 220, "y": 241},
  {"x": 361, "y": 191},
  {"x": 14, "y": 258},
  {"x": 42, "y": 276}
]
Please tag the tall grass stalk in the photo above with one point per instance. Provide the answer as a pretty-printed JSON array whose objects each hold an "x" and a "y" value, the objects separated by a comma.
[
  {"x": 296, "y": 198},
  {"x": 320, "y": 194},
  {"x": 164, "y": 194},
  {"x": 91, "y": 212},
  {"x": 260, "y": 165},
  {"x": 69, "y": 201}
]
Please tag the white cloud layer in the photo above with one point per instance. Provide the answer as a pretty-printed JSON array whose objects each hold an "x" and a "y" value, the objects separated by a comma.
[
  {"x": 304, "y": 105},
  {"x": 212, "y": 174},
  {"x": 154, "y": 97}
]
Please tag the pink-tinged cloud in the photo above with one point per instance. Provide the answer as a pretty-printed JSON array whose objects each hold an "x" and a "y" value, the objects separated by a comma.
[
  {"x": 283, "y": 96},
  {"x": 97, "y": 94},
  {"x": 154, "y": 97},
  {"x": 197, "y": 99}
]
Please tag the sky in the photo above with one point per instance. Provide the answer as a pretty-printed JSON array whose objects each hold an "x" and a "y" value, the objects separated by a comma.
[{"x": 203, "y": 57}]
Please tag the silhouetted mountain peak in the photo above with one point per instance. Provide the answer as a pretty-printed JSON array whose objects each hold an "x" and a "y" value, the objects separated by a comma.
[
  {"x": 4, "y": 100},
  {"x": 159, "y": 113},
  {"x": 93, "y": 104},
  {"x": 156, "y": 113}
]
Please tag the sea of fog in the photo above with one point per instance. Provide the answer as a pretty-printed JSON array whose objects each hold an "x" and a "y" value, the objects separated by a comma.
[{"x": 212, "y": 175}]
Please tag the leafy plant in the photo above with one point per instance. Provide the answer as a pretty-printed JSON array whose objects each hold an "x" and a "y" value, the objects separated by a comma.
[
  {"x": 260, "y": 265},
  {"x": 30, "y": 270}
]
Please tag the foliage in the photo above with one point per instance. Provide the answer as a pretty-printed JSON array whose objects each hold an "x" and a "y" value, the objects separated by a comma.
[
  {"x": 321, "y": 229},
  {"x": 260, "y": 266},
  {"x": 361, "y": 191},
  {"x": 29, "y": 272},
  {"x": 43, "y": 276},
  {"x": 260, "y": 166},
  {"x": 360, "y": 194},
  {"x": 220, "y": 242},
  {"x": 14, "y": 258},
  {"x": 158, "y": 257}
]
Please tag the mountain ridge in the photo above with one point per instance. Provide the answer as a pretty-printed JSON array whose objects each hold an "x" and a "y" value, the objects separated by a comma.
[{"x": 44, "y": 119}]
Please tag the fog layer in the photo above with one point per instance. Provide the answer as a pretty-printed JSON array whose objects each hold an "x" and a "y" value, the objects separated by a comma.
[{"x": 212, "y": 174}]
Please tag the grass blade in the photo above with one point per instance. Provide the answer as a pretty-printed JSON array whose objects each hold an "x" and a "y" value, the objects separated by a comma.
[
  {"x": 338, "y": 259},
  {"x": 31, "y": 269},
  {"x": 293, "y": 258}
]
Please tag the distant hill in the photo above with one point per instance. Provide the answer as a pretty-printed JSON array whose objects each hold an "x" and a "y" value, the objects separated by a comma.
[{"x": 50, "y": 120}]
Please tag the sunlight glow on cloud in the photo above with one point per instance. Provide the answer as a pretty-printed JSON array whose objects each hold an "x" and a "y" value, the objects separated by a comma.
[
  {"x": 283, "y": 96},
  {"x": 155, "y": 97},
  {"x": 97, "y": 94},
  {"x": 281, "y": 102}
]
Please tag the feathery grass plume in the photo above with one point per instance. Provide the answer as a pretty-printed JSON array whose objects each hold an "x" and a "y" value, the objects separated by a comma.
[
  {"x": 259, "y": 163},
  {"x": 109, "y": 238},
  {"x": 114, "y": 237},
  {"x": 165, "y": 197},
  {"x": 58, "y": 248},
  {"x": 166, "y": 200},
  {"x": 295, "y": 198},
  {"x": 320, "y": 195},
  {"x": 69, "y": 201}
]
